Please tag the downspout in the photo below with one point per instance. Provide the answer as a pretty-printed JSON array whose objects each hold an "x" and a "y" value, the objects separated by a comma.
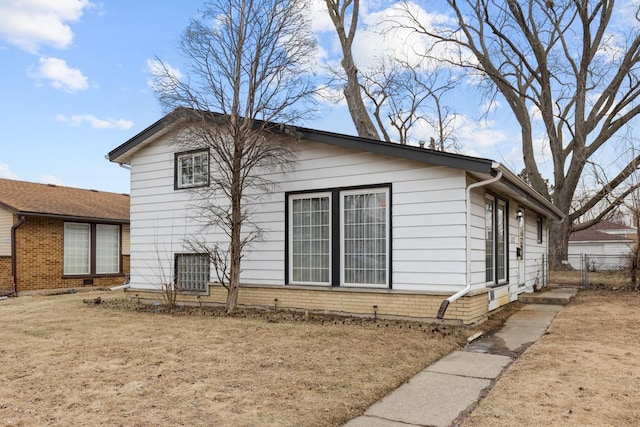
[
  {"x": 14, "y": 254},
  {"x": 467, "y": 288}
]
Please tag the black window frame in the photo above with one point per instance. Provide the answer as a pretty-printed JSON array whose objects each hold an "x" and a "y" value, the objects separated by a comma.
[
  {"x": 336, "y": 264},
  {"x": 177, "y": 185},
  {"x": 496, "y": 202},
  {"x": 540, "y": 229}
]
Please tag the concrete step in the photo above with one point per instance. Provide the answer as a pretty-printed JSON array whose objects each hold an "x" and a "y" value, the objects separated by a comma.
[{"x": 553, "y": 296}]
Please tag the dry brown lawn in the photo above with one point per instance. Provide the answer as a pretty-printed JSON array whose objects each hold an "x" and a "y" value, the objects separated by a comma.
[
  {"x": 584, "y": 372},
  {"x": 67, "y": 363}
]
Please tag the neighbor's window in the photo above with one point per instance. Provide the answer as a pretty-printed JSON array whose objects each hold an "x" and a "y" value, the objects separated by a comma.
[
  {"x": 91, "y": 248},
  {"x": 107, "y": 248},
  {"x": 77, "y": 248},
  {"x": 192, "y": 272},
  {"x": 354, "y": 223},
  {"x": 192, "y": 169},
  {"x": 496, "y": 249},
  {"x": 310, "y": 242}
]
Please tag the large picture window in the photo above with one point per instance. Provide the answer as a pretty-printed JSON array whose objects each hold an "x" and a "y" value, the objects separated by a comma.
[
  {"x": 91, "y": 249},
  {"x": 364, "y": 237},
  {"x": 496, "y": 246},
  {"x": 339, "y": 237},
  {"x": 192, "y": 169},
  {"x": 310, "y": 238}
]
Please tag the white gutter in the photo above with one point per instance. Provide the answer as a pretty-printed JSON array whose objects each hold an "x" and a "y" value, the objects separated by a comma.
[
  {"x": 467, "y": 288},
  {"x": 117, "y": 288}
]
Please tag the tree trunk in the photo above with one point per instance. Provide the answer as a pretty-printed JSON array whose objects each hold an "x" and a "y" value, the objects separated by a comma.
[
  {"x": 236, "y": 226},
  {"x": 338, "y": 13},
  {"x": 359, "y": 115},
  {"x": 559, "y": 243}
]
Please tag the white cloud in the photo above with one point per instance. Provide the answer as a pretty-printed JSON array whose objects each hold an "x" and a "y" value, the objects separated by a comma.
[
  {"x": 60, "y": 75},
  {"x": 5, "y": 172},
  {"x": 158, "y": 72},
  {"x": 94, "y": 122},
  {"x": 51, "y": 179},
  {"x": 30, "y": 24}
]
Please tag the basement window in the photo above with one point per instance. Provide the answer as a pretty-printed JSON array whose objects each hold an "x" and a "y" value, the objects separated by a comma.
[{"x": 192, "y": 272}]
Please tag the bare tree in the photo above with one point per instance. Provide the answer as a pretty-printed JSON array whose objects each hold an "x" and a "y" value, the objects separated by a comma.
[
  {"x": 346, "y": 29},
  {"x": 392, "y": 95},
  {"x": 404, "y": 95},
  {"x": 563, "y": 64},
  {"x": 248, "y": 62}
]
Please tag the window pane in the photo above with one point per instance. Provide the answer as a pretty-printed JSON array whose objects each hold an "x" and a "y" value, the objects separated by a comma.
[
  {"x": 192, "y": 272},
  {"x": 501, "y": 243},
  {"x": 310, "y": 233},
  {"x": 489, "y": 240},
  {"x": 77, "y": 242},
  {"x": 193, "y": 169},
  {"x": 365, "y": 238},
  {"x": 107, "y": 248}
]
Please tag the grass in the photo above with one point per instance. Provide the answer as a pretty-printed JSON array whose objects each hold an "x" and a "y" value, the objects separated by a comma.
[
  {"x": 584, "y": 372},
  {"x": 69, "y": 363}
]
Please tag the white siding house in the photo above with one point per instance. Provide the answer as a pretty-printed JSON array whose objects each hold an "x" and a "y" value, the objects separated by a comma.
[{"x": 446, "y": 228}]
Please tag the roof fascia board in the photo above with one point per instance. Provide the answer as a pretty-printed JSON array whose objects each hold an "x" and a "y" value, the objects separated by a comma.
[
  {"x": 72, "y": 217},
  {"x": 516, "y": 184},
  {"x": 438, "y": 158},
  {"x": 120, "y": 151}
]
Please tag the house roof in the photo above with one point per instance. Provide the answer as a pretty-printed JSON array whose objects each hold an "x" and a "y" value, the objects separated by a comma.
[
  {"x": 609, "y": 225},
  {"x": 32, "y": 199},
  {"x": 591, "y": 235},
  {"x": 482, "y": 168}
]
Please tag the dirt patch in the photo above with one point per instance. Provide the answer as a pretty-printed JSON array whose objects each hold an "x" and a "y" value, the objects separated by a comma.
[
  {"x": 66, "y": 362},
  {"x": 584, "y": 372}
]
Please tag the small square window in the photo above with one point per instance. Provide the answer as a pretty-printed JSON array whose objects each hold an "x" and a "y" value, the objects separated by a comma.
[
  {"x": 192, "y": 272},
  {"x": 192, "y": 169}
]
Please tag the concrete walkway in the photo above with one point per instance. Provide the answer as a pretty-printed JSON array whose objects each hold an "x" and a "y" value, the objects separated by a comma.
[{"x": 438, "y": 395}]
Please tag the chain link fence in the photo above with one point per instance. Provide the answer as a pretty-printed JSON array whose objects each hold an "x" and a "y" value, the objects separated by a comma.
[{"x": 589, "y": 270}]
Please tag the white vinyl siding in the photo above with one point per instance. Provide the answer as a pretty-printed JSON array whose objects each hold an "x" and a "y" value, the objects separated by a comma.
[
  {"x": 77, "y": 248},
  {"x": 428, "y": 209},
  {"x": 6, "y": 222}
]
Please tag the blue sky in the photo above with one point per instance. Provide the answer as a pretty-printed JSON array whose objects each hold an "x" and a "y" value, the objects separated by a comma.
[{"x": 76, "y": 85}]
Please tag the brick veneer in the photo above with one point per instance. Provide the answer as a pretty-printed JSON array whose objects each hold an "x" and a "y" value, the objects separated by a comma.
[
  {"x": 412, "y": 305},
  {"x": 5, "y": 274},
  {"x": 40, "y": 254}
]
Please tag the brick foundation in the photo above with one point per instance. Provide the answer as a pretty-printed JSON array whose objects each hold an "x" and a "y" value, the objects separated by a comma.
[{"x": 390, "y": 304}]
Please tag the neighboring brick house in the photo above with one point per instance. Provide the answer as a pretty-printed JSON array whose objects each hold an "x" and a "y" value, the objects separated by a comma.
[{"x": 54, "y": 237}]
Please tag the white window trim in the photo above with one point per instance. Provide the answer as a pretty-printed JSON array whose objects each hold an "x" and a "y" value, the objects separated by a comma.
[
  {"x": 303, "y": 196},
  {"x": 372, "y": 190}
]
